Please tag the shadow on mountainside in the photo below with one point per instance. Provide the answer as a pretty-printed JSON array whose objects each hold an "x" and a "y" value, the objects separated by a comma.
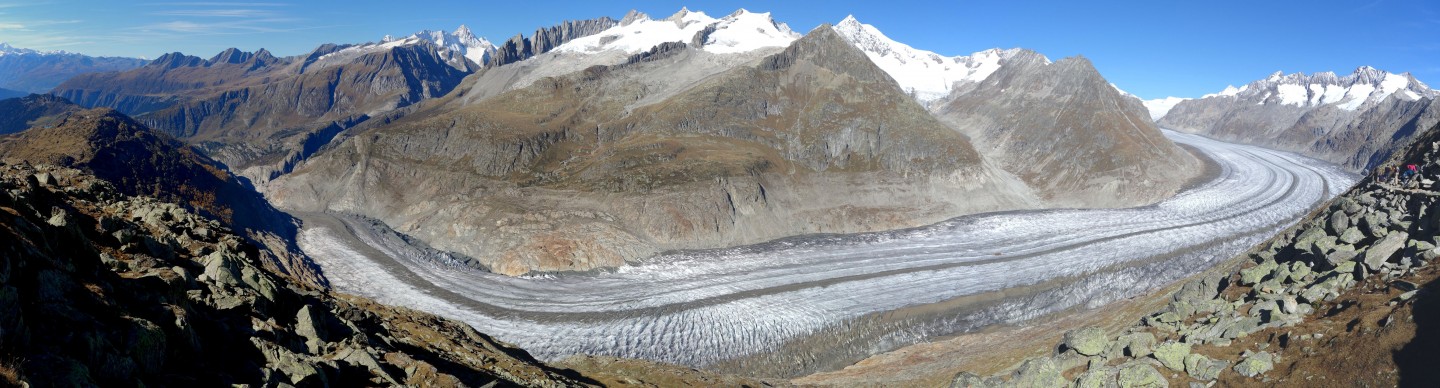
[{"x": 1419, "y": 361}]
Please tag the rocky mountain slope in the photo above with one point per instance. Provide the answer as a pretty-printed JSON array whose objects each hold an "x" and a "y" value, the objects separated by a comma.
[
  {"x": 571, "y": 174},
  {"x": 102, "y": 288},
  {"x": 141, "y": 162},
  {"x": 1347, "y": 297},
  {"x": 29, "y": 71},
  {"x": 1070, "y": 135},
  {"x": 1061, "y": 127},
  {"x": 1357, "y": 120}
]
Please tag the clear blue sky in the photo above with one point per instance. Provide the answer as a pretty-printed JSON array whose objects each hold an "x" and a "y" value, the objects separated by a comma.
[{"x": 1153, "y": 49}]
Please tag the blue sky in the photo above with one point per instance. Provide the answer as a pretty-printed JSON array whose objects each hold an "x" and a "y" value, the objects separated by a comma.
[{"x": 1152, "y": 49}]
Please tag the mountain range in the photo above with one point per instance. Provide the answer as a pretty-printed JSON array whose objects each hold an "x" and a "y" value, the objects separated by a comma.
[
  {"x": 1356, "y": 120},
  {"x": 24, "y": 71}
]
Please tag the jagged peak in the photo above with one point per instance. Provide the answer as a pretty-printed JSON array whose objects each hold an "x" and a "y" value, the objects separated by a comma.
[
  {"x": 679, "y": 15},
  {"x": 632, "y": 17}
]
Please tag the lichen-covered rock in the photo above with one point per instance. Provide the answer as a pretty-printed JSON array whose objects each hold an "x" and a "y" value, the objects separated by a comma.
[
  {"x": 1138, "y": 344},
  {"x": 1138, "y": 375},
  {"x": 1087, "y": 341},
  {"x": 1039, "y": 372},
  {"x": 1257, "y": 273},
  {"x": 1352, "y": 235},
  {"x": 1101, "y": 377},
  {"x": 1172, "y": 354},
  {"x": 1203, "y": 368},
  {"x": 967, "y": 380},
  {"x": 1383, "y": 250},
  {"x": 1255, "y": 364}
]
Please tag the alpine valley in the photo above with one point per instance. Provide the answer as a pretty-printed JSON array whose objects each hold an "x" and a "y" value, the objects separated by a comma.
[{"x": 693, "y": 200}]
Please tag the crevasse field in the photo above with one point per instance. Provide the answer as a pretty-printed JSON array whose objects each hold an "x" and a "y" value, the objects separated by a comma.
[{"x": 824, "y": 301}]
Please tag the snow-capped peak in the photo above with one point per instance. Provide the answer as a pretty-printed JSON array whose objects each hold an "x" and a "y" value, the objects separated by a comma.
[
  {"x": 741, "y": 31},
  {"x": 1350, "y": 92},
  {"x": 1161, "y": 106},
  {"x": 7, "y": 49},
  {"x": 929, "y": 76}
]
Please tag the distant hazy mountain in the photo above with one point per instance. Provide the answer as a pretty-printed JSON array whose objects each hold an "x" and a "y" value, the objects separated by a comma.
[
  {"x": 1356, "y": 120},
  {"x": 31, "y": 71},
  {"x": 7, "y": 93}
]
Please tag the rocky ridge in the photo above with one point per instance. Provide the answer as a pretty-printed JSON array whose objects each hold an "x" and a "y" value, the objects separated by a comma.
[
  {"x": 142, "y": 162},
  {"x": 102, "y": 288},
  {"x": 1354, "y": 284}
]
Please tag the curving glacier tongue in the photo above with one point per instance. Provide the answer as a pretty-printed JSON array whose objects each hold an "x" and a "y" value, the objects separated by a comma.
[{"x": 815, "y": 302}]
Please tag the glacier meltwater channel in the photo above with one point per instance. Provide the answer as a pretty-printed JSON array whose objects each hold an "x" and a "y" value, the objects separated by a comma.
[{"x": 812, "y": 302}]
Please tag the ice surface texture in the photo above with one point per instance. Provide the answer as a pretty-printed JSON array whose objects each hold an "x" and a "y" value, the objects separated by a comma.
[{"x": 702, "y": 307}]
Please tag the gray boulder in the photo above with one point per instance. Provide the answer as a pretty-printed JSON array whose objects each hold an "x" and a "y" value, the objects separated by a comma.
[
  {"x": 1040, "y": 372},
  {"x": 1203, "y": 368},
  {"x": 1352, "y": 236},
  {"x": 1383, "y": 250},
  {"x": 1138, "y": 374},
  {"x": 1088, "y": 340},
  {"x": 1255, "y": 364},
  {"x": 1172, "y": 354},
  {"x": 1339, "y": 222}
]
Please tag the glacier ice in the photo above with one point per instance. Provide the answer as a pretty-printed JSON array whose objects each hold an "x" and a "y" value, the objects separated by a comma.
[{"x": 758, "y": 302}]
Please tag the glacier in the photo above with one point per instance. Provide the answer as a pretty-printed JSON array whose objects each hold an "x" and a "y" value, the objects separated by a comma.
[{"x": 808, "y": 303}]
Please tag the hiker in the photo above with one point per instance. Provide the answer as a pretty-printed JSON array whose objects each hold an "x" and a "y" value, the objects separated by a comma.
[
  {"x": 1410, "y": 171},
  {"x": 1383, "y": 175}
]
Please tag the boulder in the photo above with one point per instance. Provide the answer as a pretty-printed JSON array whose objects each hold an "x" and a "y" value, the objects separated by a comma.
[
  {"x": 1138, "y": 344},
  {"x": 1306, "y": 240},
  {"x": 1203, "y": 368},
  {"x": 1102, "y": 377},
  {"x": 967, "y": 380},
  {"x": 1138, "y": 374},
  {"x": 1040, "y": 372},
  {"x": 1352, "y": 236},
  {"x": 1172, "y": 354},
  {"x": 1339, "y": 222},
  {"x": 1383, "y": 250},
  {"x": 1087, "y": 341},
  {"x": 1257, "y": 273},
  {"x": 1255, "y": 364},
  {"x": 1343, "y": 253}
]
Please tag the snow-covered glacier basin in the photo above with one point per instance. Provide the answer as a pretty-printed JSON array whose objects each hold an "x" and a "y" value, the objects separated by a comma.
[{"x": 817, "y": 302}]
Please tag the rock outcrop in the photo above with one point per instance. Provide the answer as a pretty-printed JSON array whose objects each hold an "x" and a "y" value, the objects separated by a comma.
[
  {"x": 519, "y": 48},
  {"x": 142, "y": 162},
  {"x": 108, "y": 289}
]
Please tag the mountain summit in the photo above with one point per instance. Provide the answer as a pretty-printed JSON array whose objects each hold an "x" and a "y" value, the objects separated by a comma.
[
  {"x": 927, "y": 75},
  {"x": 1355, "y": 120}
]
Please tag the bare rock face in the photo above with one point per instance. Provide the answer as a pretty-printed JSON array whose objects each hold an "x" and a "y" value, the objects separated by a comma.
[
  {"x": 572, "y": 173},
  {"x": 1356, "y": 120},
  {"x": 519, "y": 48},
  {"x": 1067, "y": 133}
]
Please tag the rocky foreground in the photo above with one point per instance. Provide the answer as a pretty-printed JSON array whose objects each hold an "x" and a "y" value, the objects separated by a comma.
[
  {"x": 103, "y": 289},
  {"x": 1345, "y": 298}
]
